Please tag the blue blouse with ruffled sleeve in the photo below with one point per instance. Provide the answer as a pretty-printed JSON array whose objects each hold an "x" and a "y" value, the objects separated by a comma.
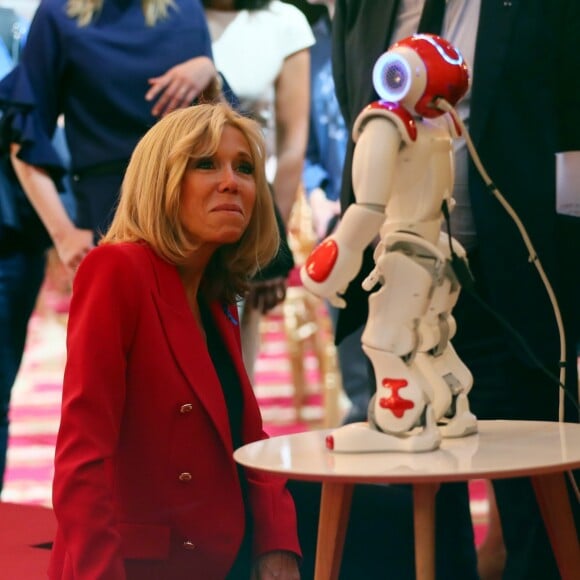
[{"x": 96, "y": 76}]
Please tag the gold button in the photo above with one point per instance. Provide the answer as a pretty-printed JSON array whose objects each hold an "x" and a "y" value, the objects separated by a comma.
[
  {"x": 187, "y": 408},
  {"x": 188, "y": 545},
  {"x": 185, "y": 476}
]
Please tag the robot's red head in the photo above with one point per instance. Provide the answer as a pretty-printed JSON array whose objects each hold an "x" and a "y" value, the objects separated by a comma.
[{"x": 419, "y": 69}]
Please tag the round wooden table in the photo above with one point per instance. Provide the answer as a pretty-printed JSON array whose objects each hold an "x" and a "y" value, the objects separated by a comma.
[{"x": 543, "y": 451}]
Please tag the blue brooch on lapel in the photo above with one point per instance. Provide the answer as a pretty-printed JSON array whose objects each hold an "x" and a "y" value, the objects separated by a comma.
[{"x": 229, "y": 315}]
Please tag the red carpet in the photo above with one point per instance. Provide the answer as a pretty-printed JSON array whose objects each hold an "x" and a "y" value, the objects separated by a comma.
[
  {"x": 36, "y": 401},
  {"x": 25, "y": 536}
]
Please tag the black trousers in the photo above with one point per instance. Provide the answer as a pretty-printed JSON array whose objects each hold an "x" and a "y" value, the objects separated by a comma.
[{"x": 507, "y": 387}]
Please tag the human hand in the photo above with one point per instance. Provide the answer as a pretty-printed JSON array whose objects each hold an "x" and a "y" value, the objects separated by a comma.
[
  {"x": 73, "y": 247},
  {"x": 266, "y": 294},
  {"x": 180, "y": 85},
  {"x": 279, "y": 565}
]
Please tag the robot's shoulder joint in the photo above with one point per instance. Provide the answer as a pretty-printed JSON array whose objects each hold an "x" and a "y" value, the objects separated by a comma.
[{"x": 400, "y": 116}]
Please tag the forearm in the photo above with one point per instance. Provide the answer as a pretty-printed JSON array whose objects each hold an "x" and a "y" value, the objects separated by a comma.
[
  {"x": 292, "y": 120},
  {"x": 71, "y": 243},
  {"x": 287, "y": 180},
  {"x": 43, "y": 196}
]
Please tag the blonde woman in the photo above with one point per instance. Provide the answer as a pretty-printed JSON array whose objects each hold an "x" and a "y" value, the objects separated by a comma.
[
  {"x": 155, "y": 396},
  {"x": 112, "y": 68}
]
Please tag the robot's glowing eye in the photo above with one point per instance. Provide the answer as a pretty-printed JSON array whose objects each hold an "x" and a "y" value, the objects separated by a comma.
[
  {"x": 396, "y": 77},
  {"x": 392, "y": 77}
]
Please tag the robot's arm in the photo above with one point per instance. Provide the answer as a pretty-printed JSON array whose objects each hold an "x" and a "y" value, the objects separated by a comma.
[
  {"x": 336, "y": 261},
  {"x": 378, "y": 141}
]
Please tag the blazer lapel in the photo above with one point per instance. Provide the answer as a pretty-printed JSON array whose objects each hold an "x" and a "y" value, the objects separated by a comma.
[
  {"x": 188, "y": 346},
  {"x": 493, "y": 38}
]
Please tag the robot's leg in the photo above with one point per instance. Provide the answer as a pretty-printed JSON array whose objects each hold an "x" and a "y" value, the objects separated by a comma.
[
  {"x": 401, "y": 393},
  {"x": 439, "y": 392},
  {"x": 362, "y": 437},
  {"x": 457, "y": 420},
  {"x": 400, "y": 415},
  {"x": 401, "y": 407}
]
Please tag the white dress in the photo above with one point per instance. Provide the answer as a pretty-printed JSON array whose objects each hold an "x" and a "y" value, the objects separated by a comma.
[{"x": 249, "y": 49}]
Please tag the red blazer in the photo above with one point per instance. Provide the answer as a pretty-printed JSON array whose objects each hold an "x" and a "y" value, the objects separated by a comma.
[{"x": 145, "y": 485}]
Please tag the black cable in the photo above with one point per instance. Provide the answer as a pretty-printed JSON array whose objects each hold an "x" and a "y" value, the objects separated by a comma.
[{"x": 464, "y": 276}]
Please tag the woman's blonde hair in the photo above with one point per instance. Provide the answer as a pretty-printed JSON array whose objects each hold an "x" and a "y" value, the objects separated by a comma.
[
  {"x": 149, "y": 207},
  {"x": 86, "y": 10}
]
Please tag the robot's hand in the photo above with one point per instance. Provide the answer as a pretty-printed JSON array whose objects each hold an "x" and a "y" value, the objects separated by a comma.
[
  {"x": 372, "y": 280},
  {"x": 329, "y": 269}
]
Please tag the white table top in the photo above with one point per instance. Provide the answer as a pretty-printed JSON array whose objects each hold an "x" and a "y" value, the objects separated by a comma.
[{"x": 500, "y": 449}]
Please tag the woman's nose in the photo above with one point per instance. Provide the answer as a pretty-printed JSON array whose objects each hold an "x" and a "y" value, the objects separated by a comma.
[{"x": 228, "y": 179}]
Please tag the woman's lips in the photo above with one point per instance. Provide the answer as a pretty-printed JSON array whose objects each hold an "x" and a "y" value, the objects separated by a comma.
[{"x": 228, "y": 207}]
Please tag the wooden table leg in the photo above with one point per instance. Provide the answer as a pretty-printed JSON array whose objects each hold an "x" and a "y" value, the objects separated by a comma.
[
  {"x": 334, "y": 512},
  {"x": 424, "y": 525},
  {"x": 555, "y": 507}
]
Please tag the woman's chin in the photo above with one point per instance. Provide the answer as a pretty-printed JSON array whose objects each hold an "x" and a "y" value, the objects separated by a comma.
[{"x": 229, "y": 236}]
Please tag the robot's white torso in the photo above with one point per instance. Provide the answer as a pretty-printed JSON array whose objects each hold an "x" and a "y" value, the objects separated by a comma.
[
  {"x": 424, "y": 178},
  {"x": 410, "y": 177}
]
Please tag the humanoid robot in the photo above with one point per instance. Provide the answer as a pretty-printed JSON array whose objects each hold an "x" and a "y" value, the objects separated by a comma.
[{"x": 403, "y": 173}]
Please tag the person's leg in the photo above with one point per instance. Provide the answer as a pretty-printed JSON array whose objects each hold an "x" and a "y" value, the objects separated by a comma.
[
  {"x": 507, "y": 388},
  {"x": 354, "y": 371},
  {"x": 250, "y": 336},
  {"x": 528, "y": 551},
  {"x": 355, "y": 376},
  {"x": 21, "y": 276}
]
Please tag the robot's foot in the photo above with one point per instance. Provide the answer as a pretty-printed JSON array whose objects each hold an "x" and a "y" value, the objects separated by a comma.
[
  {"x": 363, "y": 438},
  {"x": 463, "y": 423}
]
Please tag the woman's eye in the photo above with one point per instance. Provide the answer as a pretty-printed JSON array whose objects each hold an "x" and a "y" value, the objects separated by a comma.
[
  {"x": 205, "y": 163},
  {"x": 246, "y": 167}
]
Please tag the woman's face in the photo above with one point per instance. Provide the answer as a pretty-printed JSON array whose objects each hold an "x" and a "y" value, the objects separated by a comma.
[{"x": 218, "y": 192}]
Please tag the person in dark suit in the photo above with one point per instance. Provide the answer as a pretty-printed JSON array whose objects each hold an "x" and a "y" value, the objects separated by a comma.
[
  {"x": 155, "y": 395},
  {"x": 523, "y": 113}
]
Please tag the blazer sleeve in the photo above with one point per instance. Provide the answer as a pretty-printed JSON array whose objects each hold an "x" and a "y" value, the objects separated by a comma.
[
  {"x": 103, "y": 316},
  {"x": 274, "y": 514}
]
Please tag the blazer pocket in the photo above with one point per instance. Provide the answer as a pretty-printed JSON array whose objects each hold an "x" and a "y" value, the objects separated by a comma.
[{"x": 144, "y": 541}]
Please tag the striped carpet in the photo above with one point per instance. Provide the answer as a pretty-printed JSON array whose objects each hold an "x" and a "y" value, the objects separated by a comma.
[{"x": 36, "y": 399}]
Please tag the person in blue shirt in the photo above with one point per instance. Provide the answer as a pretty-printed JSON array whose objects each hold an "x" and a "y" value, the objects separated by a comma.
[{"x": 111, "y": 68}]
